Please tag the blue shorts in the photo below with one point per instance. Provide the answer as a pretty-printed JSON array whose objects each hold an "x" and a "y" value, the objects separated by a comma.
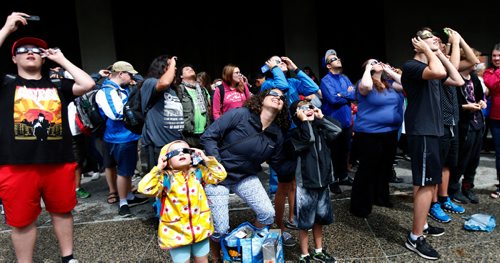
[
  {"x": 123, "y": 155},
  {"x": 183, "y": 254}
]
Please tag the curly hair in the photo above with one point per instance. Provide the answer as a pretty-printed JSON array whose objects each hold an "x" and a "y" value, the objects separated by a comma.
[
  {"x": 254, "y": 104},
  {"x": 156, "y": 68}
]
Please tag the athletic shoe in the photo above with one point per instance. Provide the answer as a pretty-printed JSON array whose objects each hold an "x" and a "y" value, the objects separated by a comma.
[
  {"x": 137, "y": 201},
  {"x": 124, "y": 211},
  {"x": 433, "y": 231},
  {"x": 471, "y": 196},
  {"x": 291, "y": 225},
  {"x": 81, "y": 193},
  {"x": 451, "y": 207},
  {"x": 306, "y": 259},
  {"x": 346, "y": 181},
  {"x": 323, "y": 257},
  {"x": 437, "y": 213},
  {"x": 458, "y": 197},
  {"x": 421, "y": 247},
  {"x": 335, "y": 188},
  {"x": 288, "y": 240}
]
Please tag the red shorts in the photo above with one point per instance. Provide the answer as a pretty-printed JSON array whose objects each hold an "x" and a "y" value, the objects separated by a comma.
[{"x": 22, "y": 187}]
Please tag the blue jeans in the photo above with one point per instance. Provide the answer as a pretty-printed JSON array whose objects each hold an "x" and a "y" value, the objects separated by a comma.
[{"x": 495, "y": 132}]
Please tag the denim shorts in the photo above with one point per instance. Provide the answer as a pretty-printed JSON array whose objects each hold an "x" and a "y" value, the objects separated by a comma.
[
  {"x": 313, "y": 206},
  {"x": 184, "y": 253}
]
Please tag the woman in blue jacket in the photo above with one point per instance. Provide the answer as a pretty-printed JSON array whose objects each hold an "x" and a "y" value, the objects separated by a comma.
[{"x": 242, "y": 139}]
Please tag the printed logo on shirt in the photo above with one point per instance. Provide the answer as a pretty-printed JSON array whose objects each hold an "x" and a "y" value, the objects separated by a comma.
[{"x": 37, "y": 114}]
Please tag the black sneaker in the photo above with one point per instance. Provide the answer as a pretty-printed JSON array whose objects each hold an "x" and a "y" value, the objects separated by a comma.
[
  {"x": 335, "y": 188},
  {"x": 124, "y": 211},
  {"x": 323, "y": 257},
  {"x": 306, "y": 259},
  {"x": 421, "y": 247},
  {"x": 471, "y": 196},
  {"x": 137, "y": 201},
  {"x": 290, "y": 225},
  {"x": 433, "y": 231},
  {"x": 346, "y": 181},
  {"x": 458, "y": 197}
]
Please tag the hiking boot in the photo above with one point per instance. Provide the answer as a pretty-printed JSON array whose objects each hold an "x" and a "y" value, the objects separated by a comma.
[
  {"x": 458, "y": 197},
  {"x": 306, "y": 259},
  {"x": 124, "y": 211},
  {"x": 421, "y": 247},
  {"x": 437, "y": 213},
  {"x": 451, "y": 207},
  {"x": 288, "y": 240},
  {"x": 433, "y": 231},
  {"x": 137, "y": 201},
  {"x": 323, "y": 257},
  {"x": 346, "y": 181},
  {"x": 471, "y": 196},
  {"x": 335, "y": 188},
  {"x": 81, "y": 193}
]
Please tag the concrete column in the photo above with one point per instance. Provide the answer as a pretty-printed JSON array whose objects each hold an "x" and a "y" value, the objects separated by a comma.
[{"x": 95, "y": 26}]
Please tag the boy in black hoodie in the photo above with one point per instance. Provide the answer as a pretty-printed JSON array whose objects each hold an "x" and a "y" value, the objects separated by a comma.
[{"x": 314, "y": 173}]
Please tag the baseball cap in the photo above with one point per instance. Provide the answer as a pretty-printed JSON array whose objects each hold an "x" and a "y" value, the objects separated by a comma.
[
  {"x": 29, "y": 41},
  {"x": 328, "y": 53},
  {"x": 123, "y": 66}
]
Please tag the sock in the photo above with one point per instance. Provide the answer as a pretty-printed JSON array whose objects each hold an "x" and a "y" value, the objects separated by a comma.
[
  {"x": 130, "y": 196},
  {"x": 66, "y": 259},
  {"x": 442, "y": 199},
  {"x": 426, "y": 226},
  {"x": 123, "y": 202},
  {"x": 318, "y": 250},
  {"x": 303, "y": 256},
  {"x": 413, "y": 236}
]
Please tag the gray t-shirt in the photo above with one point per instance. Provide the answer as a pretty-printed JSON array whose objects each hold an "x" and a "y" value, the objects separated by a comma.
[
  {"x": 164, "y": 120},
  {"x": 423, "y": 115}
]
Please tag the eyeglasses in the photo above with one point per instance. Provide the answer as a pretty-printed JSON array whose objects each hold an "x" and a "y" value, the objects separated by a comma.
[
  {"x": 276, "y": 94},
  {"x": 23, "y": 50},
  {"x": 306, "y": 107},
  {"x": 426, "y": 35},
  {"x": 333, "y": 60},
  {"x": 176, "y": 152},
  {"x": 375, "y": 62}
]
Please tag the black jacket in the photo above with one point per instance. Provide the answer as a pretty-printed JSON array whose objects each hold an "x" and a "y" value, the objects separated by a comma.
[{"x": 237, "y": 141}]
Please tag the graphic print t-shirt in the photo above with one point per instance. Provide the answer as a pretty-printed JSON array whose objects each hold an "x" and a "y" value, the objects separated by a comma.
[{"x": 34, "y": 122}]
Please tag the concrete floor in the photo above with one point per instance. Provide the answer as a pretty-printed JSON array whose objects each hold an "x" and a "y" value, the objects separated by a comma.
[{"x": 100, "y": 236}]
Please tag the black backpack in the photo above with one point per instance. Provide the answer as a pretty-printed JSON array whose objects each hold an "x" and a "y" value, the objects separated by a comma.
[
  {"x": 133, "y": 117},
  {"x": 88, "y": 117}
]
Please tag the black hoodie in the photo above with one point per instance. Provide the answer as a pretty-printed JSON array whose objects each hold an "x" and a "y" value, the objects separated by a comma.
[{"x": 311, "y": 141}]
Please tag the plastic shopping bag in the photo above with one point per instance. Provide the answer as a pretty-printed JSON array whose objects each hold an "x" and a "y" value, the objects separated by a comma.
[{"x": 480, "y": 222}]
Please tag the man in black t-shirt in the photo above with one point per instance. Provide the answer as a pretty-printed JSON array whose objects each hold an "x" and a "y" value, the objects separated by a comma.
[
  {"x": 36, "y": 159},
  {"x": 423, "y": 78}
]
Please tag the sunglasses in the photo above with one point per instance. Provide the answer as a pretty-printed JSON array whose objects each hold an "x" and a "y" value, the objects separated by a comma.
[
  {"x": 23, "y": 50},
  {"x": 176, "y": 152},
  {"x": 306, "y": 107},
  {"x": 375, "y": 62},
  {"x": 426, "y": 35},
  {"x": 276, "y": 94},
  {"x": 333, "y": 60}
]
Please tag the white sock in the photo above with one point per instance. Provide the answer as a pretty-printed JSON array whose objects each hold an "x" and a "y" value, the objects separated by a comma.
[
  {"x": 413, "y": 236},
  {"x": 426, "y": 226},
  {"x": 318, "y": 250},
  {"x": 303, "y": 256},
  {"x": 123, "y": 202}
]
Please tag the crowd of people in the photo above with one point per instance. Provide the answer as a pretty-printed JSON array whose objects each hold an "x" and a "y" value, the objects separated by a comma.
[{"x": 203, "y": 140}]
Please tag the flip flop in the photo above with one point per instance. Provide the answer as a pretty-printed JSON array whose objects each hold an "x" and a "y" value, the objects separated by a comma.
[{"x": 113, "y": 198}]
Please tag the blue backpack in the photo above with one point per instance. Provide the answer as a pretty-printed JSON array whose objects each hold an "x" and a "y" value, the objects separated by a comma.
[{"x": 158, "y": 203}]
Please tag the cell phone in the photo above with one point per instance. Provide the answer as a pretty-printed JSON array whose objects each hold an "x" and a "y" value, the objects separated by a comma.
[{"x": 33, "y": 18}]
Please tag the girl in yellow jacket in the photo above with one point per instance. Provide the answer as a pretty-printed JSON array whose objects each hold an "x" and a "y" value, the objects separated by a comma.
[{"x": 185, "y": 218}]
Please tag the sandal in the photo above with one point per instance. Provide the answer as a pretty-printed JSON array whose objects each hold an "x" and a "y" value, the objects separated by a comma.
[{"x": 113, "y": 198}]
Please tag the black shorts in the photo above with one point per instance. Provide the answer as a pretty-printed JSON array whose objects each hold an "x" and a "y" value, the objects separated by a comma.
[
  {"x": 449, "y": 146},
  {"x": 79, "y": 149},
  {"x": 425, "y": 156}
]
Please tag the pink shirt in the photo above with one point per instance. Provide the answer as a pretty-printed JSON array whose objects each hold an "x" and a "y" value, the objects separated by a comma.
[
  {"x": 492, "y": 81},
  {"x": 232, "y": 99}
]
